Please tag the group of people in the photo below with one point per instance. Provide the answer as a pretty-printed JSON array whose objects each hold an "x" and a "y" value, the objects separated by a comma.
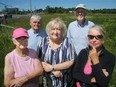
[{"x": 60, "y": 56}]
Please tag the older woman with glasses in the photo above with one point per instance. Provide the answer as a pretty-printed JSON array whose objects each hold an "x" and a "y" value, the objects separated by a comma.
[
  {"x": 22, "y": 67},
  {"x": 94, "y": 65}
]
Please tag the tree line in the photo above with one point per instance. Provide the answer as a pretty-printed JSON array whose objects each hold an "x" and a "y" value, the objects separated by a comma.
[{"x": 50, "y": 10}]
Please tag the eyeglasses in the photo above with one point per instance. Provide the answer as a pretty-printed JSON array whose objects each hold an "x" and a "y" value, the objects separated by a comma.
[
  {"x": 96, "y": 37},
  {"x": 79, "y": 11},
  {"x": 22, "y": 39}
]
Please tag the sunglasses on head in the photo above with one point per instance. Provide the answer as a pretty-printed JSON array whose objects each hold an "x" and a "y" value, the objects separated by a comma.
[{"x": 96, "y": 37}]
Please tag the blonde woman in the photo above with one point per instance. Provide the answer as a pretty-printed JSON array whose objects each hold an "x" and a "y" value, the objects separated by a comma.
[{"x": 57, "y": 54}]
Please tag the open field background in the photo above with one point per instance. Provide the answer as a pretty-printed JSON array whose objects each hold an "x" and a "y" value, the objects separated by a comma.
[{"x": 108, "y": 21}]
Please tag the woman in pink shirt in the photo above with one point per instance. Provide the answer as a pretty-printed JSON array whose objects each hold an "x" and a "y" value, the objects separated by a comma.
[{"x": 22, "y": 67}]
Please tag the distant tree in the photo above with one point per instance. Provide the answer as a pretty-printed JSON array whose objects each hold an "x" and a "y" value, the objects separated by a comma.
[
  {"x": 49, "y": 10},
  {"x": 38, "y": 10}
]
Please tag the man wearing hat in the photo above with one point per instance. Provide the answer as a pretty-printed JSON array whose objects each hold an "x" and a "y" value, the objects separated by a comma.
[
  {"x": 22, "y": 67},
  {"x": 78, "y": 29}
]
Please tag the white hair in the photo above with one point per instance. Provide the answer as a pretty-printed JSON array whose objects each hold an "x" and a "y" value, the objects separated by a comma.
[
  {"x": 35, "y": 17},
  {"x": 99, "y": 29}
]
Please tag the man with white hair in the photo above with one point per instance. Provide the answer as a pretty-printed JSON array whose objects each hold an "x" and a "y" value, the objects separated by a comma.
[
  {"x": 35, "y": 33},
  {"x": 78, "y": 29}
]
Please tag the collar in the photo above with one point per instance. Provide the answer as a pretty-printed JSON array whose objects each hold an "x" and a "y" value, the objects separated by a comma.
[
  {"x": 103, "y": 50},
  {"x": 85, "y": 22},
  {"x": 34, "y": 31}
]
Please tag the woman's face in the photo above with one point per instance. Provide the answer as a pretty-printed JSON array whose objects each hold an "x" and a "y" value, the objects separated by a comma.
[
  {"x": 95, "y": 38},
  {"x": 21, "y": 42},
  {"x": 56, "y": 32}
]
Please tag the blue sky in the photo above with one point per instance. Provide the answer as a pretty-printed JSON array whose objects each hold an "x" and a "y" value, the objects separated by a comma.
[{"x": 37, "y": 4}]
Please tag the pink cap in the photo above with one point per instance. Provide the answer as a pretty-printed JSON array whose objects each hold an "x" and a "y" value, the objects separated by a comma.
[{"x": 20, "y": 32}]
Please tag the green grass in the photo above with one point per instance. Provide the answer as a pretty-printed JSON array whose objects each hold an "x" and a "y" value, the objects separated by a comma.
[{"x": 108, "y": 21}]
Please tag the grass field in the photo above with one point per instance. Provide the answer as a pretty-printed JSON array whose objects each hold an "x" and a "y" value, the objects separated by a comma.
[{"x": 108, "y": 21}]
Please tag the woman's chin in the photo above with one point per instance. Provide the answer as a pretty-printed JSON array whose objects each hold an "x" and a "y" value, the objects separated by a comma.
[{"x": 23, "y": 47}]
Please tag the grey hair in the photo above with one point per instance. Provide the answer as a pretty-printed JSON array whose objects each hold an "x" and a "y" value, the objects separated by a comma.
[
  {"x": 37, "y": 17},
  {"x": 99, "y": 29},
  {"x": 54, "y": 21}
]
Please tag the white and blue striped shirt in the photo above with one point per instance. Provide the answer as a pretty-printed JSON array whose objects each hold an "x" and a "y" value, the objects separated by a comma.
[{"x": 63, "y": 53}]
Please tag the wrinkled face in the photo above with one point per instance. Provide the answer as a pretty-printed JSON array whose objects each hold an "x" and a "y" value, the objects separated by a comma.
[
  {"x": 56, "y": 33},
  {"x": 95, "y": 38},
  {"x": 35, "y": 24},
  {"x": 21, "y": 42},
  {"x": 80, "y": 14}
]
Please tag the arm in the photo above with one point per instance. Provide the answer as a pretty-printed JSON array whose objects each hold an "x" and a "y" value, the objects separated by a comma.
[
  {"x": 63, "y": 66},
  {"x": 102, "y": 72},
  {"x": 38, "y": 70},
  {"x": 9, "y": 79},
  {"x": 78, "y": 67},
  {"x": 100, "y": 76},
  {"x": 68, "y": 34},
  {"x": 57, "y": 67},
  {"x": 8, "y": 72},
  {"x": 9, "y": 82}
]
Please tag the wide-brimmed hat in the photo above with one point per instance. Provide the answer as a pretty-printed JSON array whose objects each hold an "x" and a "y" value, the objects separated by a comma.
[
  {"x": 80, "y": 6},
  {"x": 20, "y": 32}
]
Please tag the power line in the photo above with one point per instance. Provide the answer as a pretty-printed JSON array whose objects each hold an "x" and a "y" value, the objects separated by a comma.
[{"x": 5, "y": 4}]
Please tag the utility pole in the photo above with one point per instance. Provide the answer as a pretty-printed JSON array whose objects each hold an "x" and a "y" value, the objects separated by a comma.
[{"x": 30, "y": 6}]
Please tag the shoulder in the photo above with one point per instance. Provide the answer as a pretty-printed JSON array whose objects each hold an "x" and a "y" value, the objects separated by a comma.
[
  {"x": 10, "y": 54},
  {"x": 90, "y": 22},
  {"x": 84, "y": 51},
  {"x": 73, "y": 22},
  {"x": 44, "y": 41},
  {"x": 67, "y": 43},
  {"x": 29, "y": 30},
  {"x": 42, "y": 32},
  {"x": 32, "y": 51},
  {"x": 66, "y": 40},
  {"x": 109, "y": 55}
]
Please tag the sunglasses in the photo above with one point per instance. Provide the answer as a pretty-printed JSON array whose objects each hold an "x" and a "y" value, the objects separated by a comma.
[{"x": 96, "y": 37}]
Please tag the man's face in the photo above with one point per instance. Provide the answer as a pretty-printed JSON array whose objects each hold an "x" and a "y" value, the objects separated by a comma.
[
  {"x": 80, "y": 14},
  {"x": 35, "y": 24}
]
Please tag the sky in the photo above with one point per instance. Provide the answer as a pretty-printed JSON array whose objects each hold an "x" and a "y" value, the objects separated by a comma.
[{"x": 42, "y": 4}]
